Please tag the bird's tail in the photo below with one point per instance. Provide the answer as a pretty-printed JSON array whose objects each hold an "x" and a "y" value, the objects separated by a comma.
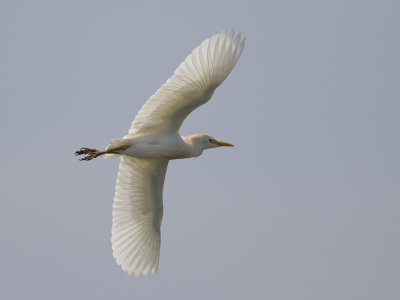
[
  {"x": 115, "y": 145},
  {"x": 109, "y": 155}
]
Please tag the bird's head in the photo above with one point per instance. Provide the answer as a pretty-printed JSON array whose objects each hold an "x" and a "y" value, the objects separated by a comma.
[{"x": 206, "y": 141}]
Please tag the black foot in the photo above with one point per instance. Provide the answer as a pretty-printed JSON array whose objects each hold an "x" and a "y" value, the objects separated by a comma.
[{"x": 90, "y": 153}]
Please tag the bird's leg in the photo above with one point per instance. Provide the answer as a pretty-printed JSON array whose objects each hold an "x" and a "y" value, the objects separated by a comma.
[
  {"x": 90, "y": 153},
  {"x": 93, "y": 153}
]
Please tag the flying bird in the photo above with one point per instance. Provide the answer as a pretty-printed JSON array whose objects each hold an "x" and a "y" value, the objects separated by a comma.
[{"x": 153, "y": 140}]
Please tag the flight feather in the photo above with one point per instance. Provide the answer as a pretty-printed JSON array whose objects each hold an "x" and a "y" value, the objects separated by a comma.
[{"x": 191, "y": 85}]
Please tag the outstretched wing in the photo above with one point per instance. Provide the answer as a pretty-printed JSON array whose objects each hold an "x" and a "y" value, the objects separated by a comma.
[
  {"x": 192, "y": 84},
  {"x": 137, "y": 214}
]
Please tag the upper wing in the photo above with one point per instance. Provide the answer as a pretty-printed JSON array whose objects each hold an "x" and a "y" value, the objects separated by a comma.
[
  {"x": 137, "y": 214},
  {"x": 192, "y": 84}
]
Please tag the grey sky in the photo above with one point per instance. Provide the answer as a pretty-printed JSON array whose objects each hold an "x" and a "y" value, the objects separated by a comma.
[{"x": 306, "y": 206}]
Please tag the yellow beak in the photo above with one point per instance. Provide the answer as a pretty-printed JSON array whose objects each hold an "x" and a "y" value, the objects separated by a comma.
[{"x": 221, "y": 143}]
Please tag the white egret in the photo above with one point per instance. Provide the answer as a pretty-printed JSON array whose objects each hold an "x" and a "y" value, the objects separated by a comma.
[{"x": 153, "y": 140}]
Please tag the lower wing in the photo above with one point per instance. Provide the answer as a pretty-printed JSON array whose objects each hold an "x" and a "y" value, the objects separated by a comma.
[{"x": 137, "y": 214}]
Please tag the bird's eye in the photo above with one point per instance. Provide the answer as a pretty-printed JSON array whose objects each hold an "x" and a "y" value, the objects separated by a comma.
[{"x": 210, "y": 140}]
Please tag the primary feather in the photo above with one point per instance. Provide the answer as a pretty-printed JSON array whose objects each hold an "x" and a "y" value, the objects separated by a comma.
[
  {"x": 192, "y": 84},
  {"x": 137, "y": 213}
]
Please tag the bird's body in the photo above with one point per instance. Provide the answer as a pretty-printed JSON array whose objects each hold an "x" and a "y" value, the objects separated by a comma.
[
  {"x": 153, "y": 141},
  {"x": 162, "y": 146}
]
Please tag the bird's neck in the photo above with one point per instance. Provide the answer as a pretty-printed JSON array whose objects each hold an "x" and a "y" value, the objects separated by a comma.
[{"x": 193, "y": 145}]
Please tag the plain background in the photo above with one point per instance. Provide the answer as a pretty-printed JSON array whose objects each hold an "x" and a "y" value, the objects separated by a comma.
[{"x": 306, "y": 206}]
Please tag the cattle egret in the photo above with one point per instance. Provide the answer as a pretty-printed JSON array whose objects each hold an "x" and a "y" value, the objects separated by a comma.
[{"x": 154, "y": 140}]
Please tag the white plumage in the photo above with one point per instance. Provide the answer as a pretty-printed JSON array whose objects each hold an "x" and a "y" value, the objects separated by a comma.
[
  {"x": 192, "y": 84},
  {"x": 153, "y": 140},
  {"x": 137, "y": 213}
]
